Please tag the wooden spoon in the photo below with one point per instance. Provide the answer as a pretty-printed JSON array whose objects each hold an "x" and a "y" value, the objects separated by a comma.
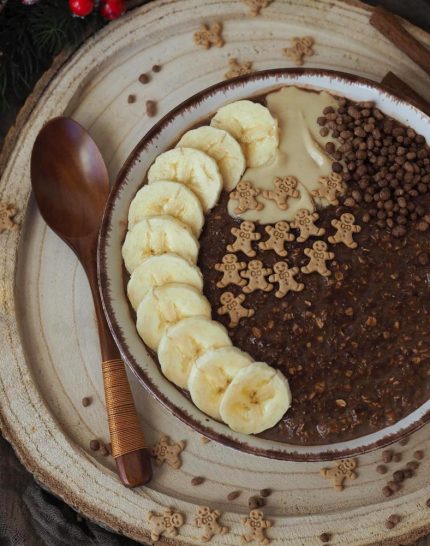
[{"x": 71, "y": 186}]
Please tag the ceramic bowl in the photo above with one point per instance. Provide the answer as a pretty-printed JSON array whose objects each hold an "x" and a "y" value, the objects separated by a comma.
[{"x": 160, "y": 138}]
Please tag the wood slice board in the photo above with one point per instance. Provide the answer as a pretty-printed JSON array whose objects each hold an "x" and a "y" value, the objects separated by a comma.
[{"x": 50, "y": 357}]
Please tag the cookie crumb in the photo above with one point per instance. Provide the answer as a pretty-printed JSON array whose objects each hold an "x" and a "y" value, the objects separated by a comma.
[
  {"x": 86, "y": 401},
  {"x": 94, "y": 445},
  {"x": 144, "y": 78},
  {"x": 235, "y": 68},
  {"x": 419, "y": 454},
  {"x": 233, "y": 495},
  {"x": 131, "y": 99},
  {"x": 197, "y": 480},
  {"x": 151, "y": 108},
  {"x": 325, "y": 537}
]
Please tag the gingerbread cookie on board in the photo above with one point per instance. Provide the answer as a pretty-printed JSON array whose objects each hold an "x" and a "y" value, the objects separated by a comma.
[
  {"x": 256, "y": 525},
  {"x": 208, "y": 36},
  {"x": 284, "y": 276},
  {"x": 233, "y": 307},
  {"x": 302, "y": 47},
  {"x": 278, "y": 234},
  {"x": 230, "y": 268},
  {"x": 256, "y": 5},
  {"x": 345, "y": 230},
  {"x": 166, "y": 523},
  {"x": 238, "y": 69},
  {"x": 305, "y": 222},
  {"x": 245, "y": 234},
  {"x": 207, "y": 520},
  {"x": 256, "y": 275},
  {"x": 343, "y": 469},
  {"x": 318, "y": 255},
  {"x": 246, "y": 194},
  {"x": 285, "y": 188},
  {"x": 165, "y": 451},
  {"x": 7, "y": 213},
  {"x": 331, "y": 187}
]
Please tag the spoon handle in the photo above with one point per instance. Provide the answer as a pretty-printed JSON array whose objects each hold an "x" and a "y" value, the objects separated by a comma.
[{"x": 128, "y": 446}]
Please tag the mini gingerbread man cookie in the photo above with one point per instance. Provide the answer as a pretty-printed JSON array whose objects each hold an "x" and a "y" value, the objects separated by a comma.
[
  {"x": 256, "y": 525},
  {"x": 345, "y": 230},
  {"x": 244, "y": 237},
  {"x": 206, "y": 519},
  {"x": 256, "y": 5},
  {"x": 285, "y": 188},
  {"x": 230, "y": 268},
  {"x": 232, "y": 306},
  {"x": 278, "y": 234},
  {"x": 284, "y": 276},
  {"x": 164, "y": 451},
  {"x": 209, "y": 36},
  {"x": 302, "y": 47},
  {"x": 246, "y": 194},
  {"x": 167, "y": 523},
  {"x": 7, "y": 212},
  {"x": 304, "y": 221},
  {"x": 342, "y": 469},
  {"x": 331, "y": 187},
  {"x": 256, "y": 275},
  {"x": 318, "y": 255}
]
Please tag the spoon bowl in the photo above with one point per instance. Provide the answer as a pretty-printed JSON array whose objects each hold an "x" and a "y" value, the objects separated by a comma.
[{"x": 70, "y": 179}]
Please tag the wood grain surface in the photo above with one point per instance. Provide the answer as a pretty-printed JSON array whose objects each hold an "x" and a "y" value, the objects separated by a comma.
[{"x": 50, "y": 356}]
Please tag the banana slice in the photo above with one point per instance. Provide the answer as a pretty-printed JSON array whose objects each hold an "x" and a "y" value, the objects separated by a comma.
[
  {"x": 157, "y": 235},
  {"x": 159, "y": 270},
  {"x": 256, "y": 399},
  {"x": 169, "y": 198},
  {"x": 212, "y": 374},
  {"x": 183, "y": 343},
  {"x": 222, "y": 147},
  {"x": 193, "y": 168},
  {"x": 166, "y": 305},
  {"x": 253, "y": 126}
]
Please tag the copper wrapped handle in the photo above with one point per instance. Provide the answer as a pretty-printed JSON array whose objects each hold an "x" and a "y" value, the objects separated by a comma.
[{"x": 128, "y": 444}]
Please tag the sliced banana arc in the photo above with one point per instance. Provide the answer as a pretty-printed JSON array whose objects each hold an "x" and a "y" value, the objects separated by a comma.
[
  {"x": 195, "y": 169},
  {"x": 157, "y": 235},
  {"x": 253, "y": 126},
  {"x": 160, "y": 252},
  {"x": 222, "y": 147},
  {"x": 158, "y": 270},
  {"x": 211, "y": 375},
  {"x": 167, "y": 198},
  {"x": 166, "y": 305},
  {"x": 184, "y": 342},
  {"x": 256, "y": 399}
]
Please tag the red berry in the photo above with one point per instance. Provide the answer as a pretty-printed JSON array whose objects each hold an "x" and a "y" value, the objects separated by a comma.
[
  {"x": 81, "y": 8},
  {"x": 112, "y": 9}
]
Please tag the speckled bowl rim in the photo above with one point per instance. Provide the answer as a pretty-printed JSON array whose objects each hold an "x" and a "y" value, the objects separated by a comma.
[{"x": 288, "y": 452}]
